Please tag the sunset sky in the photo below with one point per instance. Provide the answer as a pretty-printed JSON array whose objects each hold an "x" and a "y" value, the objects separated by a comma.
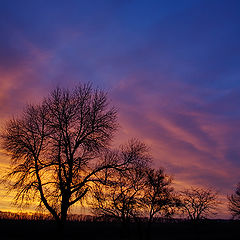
[{"x": 172, "y": 68}]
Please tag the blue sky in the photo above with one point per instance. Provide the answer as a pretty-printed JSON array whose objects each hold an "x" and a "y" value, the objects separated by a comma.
[{"x": 172, "y": 69}]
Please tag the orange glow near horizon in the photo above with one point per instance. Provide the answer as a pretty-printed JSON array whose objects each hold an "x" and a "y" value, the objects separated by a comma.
[
  {"x": 176, "y": 85},
  {"x": 177, "y": 151}
]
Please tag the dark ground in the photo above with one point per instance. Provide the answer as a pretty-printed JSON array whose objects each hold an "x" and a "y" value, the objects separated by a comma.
[{"x": 30, "y": 229}]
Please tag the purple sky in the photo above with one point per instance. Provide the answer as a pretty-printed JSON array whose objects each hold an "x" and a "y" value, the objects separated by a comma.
[{"x": 172, "y": 68}]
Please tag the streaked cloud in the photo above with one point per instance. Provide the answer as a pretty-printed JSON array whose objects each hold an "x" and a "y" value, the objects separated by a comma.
[{"x": 172, "y": 70}]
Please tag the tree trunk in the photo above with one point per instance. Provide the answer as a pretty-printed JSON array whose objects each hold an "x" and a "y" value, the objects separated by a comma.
[
  {"x": 149, "y": 227},
  {"x": 125, "y": 227},
  {"x": 61, "y": 224},
  {"x": 61, "y": 229}
]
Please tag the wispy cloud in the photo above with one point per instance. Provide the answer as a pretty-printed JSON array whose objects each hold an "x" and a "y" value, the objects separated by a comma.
[{"x": 172, "y": 69}]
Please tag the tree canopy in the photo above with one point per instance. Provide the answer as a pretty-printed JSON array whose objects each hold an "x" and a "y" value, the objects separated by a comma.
[{"x": 55, "y": 147}]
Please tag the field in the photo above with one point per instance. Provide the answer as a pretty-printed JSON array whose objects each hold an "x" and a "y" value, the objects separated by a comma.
[{"x": 36, "y": 229}]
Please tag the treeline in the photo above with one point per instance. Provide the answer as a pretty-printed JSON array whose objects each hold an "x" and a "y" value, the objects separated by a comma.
[
  {"x": 44, "y": 217},
  {"x": 77, "y": 218},
  {"x": 137, "y": 190},
  {"x": 61, "y": 155},
  {"x": 24, "y": 216}
]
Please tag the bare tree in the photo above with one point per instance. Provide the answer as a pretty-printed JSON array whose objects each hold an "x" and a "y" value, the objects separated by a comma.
[
  {"x": 54, "y": 147},
  {"x": 159, "y": 198},
  {"x": 234, "y": 203},
  {"x": 199, "y": 203},
  {"x": 120, "y": 197}
]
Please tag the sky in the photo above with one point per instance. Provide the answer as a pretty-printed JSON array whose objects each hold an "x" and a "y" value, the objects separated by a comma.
[{"x": 172, "y": 69}]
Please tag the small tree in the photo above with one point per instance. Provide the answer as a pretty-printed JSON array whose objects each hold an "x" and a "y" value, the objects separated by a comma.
[
  {"x": 234, "y": 203},
  {"x": 120, "y": 196},
  {"x": 199, "y": 203},
  {"x": 55, "y": 148},
  {"x": 158, "y": 196}
]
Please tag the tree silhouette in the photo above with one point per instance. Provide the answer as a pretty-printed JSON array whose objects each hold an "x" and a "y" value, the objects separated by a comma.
[
  {"x": 158, "y": 198},
  {"x": 120, "y": 196},
  {"x": 55, "y": 148},
  {"x": 234, "y": 203},
  {"x": 199, "y": 203}
]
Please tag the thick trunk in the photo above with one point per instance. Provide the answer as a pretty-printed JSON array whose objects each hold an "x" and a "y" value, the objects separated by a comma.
[
  {"x": 64, "y": 215},
  {"x": 61, "y": 223},
  {"x": 59, "y": 229},
  {"x": 125, "y": 227},
  {"x": 149, "y": 227},
  {"x": 148, "y": 230}
]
